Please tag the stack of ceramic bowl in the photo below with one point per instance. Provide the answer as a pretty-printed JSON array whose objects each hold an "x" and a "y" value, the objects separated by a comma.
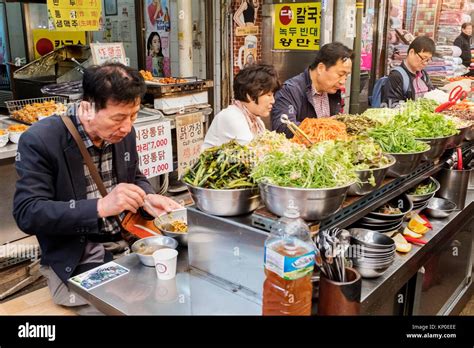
[
  {"x": 371, "y": 252},
  {"x": 420, "y": 202},
  {"x": 382, "y": 222}
]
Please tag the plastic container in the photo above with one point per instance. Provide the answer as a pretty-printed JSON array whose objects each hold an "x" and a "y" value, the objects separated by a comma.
[{"x": 289, "y": 263}]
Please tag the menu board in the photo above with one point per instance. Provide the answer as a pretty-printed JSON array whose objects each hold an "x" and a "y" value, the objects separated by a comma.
[
  {"x": 190, "y": 137},
  {"x": 75, "y": 15},
  {"x": 108, "y": 52},
  {"x": 297, "y": 26},
  {"x": 155, "y": 151}
]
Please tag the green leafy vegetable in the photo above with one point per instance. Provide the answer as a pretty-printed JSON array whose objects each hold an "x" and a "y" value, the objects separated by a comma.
[
  {"x": 324, "y": 165},
  {"x": 222, "y": 167},
  {"x": 357, "y": 124},
  {"x": 423, "y": 188},
  {"x": 395, "y": 139}
]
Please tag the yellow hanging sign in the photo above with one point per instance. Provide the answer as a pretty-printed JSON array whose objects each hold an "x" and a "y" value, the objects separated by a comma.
[
  {"x": 297, "y": 26},
  {"x": 46, "y": 40},
  {"x": 75, "y": 15}
]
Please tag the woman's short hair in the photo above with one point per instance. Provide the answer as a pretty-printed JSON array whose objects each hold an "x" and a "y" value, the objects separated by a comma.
[{"x": 254, "y": 81}]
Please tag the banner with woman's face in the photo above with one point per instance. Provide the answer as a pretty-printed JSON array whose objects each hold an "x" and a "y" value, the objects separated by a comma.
[{"x": 158, "y": 26}]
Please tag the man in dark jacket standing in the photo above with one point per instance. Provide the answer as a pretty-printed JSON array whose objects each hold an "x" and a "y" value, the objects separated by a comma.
[
  {"x": 316, "y": 91},
  {"x": 463, "y": 41},
  {"x": 56, "y": 198}
]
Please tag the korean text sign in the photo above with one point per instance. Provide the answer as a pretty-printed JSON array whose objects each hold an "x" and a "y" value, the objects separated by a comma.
[
  {"x": 75, "y": 15},
  {"x": 155, "y": 151},
  {"x": 189, "y": 136},
  {"x": 297, "y": 26}
]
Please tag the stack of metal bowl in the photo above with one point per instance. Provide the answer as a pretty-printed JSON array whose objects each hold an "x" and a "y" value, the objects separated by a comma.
[
  {"x": 438, "y": 146},
  {"x": 406, "y": 163},
  {"x": 364, "y": 187},
  {"x": 225, "y": 202},
  {"x": 313, "y": 204},
  {"x": 382, "y": 222},
  {"x": 371, "y": 252},
  {"x": 420, "y": 202}
]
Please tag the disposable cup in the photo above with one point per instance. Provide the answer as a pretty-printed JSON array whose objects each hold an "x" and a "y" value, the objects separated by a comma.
[{"x": 165, "y": 263}]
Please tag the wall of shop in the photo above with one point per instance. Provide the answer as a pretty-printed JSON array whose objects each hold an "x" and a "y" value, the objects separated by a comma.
[
  {"x": 15, "y": 30},
  {"x": 120, "y": 26},
  {"x": 199, "y": 42}
]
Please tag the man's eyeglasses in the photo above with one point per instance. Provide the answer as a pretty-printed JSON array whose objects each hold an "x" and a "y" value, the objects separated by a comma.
[{"x": 424, "y": 60}]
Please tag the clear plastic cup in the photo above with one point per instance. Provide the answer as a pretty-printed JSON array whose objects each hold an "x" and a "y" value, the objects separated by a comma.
[{"x": 165, "y": 263}]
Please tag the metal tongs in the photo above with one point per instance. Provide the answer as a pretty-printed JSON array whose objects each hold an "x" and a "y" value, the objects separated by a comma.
[{"x": 294, "y": 128}]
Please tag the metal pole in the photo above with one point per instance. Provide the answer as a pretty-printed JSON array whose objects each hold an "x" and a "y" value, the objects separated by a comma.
[{"x": 355, "y": 80}]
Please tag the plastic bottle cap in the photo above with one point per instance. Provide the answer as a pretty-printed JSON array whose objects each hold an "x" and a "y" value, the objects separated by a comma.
[{"x": 291, "y": 213}]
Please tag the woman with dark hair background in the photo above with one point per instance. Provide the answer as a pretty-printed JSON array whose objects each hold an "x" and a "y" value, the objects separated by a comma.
[
  {"x": 248, "y": 9},
  {"x": 155, "y": 58},
  {"x": 254, "y": 87},
  {"x": 463, "y": 41}
]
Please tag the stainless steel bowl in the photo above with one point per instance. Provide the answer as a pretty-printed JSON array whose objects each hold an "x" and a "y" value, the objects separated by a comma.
[
  {"x": 406, "y": 163},
  {"x": 152, "y": 244},
  {"x": 225, "y": 202},
  {"x": 381, "y": 229},
  {"x": 370, "y": 220},
  {"x": 401, "y": 201},
  {"x": 371, "y": 239},
  {"x": 182, "y": 238},
  {"x": 371, "y": 272},
  {"x": 456, "y": 140},
  {"x": 313, "y": 204},
  {"x": 438, "y": 146},
  {"x": 425, "y": 197},
  {"x": 364, "y": 187},
  {"x": 470, "y": 133},
  {"x": 440, "y": 208}
]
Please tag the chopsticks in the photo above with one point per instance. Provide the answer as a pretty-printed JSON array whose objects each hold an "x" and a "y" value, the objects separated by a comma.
[{"x": 295, "y": 129}]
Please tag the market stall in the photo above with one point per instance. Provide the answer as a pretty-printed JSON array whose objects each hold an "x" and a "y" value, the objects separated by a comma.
[{"x": 240, "y": 192}]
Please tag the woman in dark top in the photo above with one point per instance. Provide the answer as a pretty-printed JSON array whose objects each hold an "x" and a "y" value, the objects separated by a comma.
[
  {"x": 248, "y": 8},
  {"x": 463, "y": 41}
]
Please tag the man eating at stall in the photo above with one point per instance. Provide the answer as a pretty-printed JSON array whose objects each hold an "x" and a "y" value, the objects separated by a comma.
[
  {"x": 316, "y": 91},
  {"x": 56, "y": 198}
]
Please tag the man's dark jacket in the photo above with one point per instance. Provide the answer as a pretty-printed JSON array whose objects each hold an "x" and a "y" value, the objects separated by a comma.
[
  {"x": 295, "y": 99},
  {"x": 463, "y": 41},
  {"x": 50, "y": 199}
]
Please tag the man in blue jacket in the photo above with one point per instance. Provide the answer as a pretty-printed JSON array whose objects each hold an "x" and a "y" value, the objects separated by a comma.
[
  {"x": 56, "y": 198},
  {"x": 316, "y": 91}
]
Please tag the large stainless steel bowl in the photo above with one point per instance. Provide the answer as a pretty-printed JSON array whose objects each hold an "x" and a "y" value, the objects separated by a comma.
[
  {"x": 364, "y": 187},
  {"x": 456, "y": 140},
  {"x": 151, "y": 244},
  {"x": 427, "y": 196},
  {"x": 406, "y": 163},
  {"x": 225, "y": 202},
  {"x": 313, "y": 204},
  {"x": 440, "y": 208},
  {"x": 438, "y": 146}
]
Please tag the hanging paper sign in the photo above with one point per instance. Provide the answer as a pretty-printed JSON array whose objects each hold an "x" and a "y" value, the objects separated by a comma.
[
  {"x": 189, "y": 137},
  {"x": 297, "y": 26},
  {"x": 155, "y": 152},
  {"x": 108, "y": 52},
  {"x": 75, "y": 15}
]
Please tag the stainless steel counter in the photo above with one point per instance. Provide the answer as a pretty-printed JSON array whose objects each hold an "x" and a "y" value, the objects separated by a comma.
[{"x": 191, "y": 293}]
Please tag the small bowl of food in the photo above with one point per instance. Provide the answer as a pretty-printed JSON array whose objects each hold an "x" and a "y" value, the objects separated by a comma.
[
  {"x": 145, "y": 248},
  {"x": 176, "y": 229},
  {"x": 4, "y": 136},
  {"x": 15, "y": 131}
]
